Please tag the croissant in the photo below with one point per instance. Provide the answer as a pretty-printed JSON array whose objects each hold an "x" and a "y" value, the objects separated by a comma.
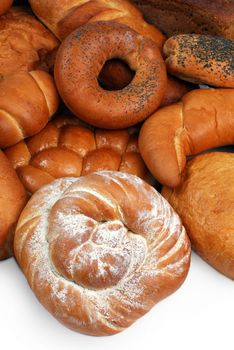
[
  {"x": 64, "y": 17},
  {"x": 27, "y": 101},
  {"x": 101, "y": 250},
  {"x": 203, "y": 119},
  {"x": 4, "y": 6},
  {"x": 25, "y": 43},
  {"x": 13, "y": 198},
  {"x": 66, "y": 147}
]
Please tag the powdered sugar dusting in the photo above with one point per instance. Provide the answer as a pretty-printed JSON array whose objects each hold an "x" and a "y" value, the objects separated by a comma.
[{"x": 108, "y": 269}]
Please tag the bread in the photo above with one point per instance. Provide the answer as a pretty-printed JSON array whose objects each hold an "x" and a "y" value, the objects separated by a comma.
[
  {"x": 203, "y": 119},
  {"x": 25, "y": 44},
  {"x": 175, "y": 90},
  {"x": 77, "y": 80},
  {"x": 201, "y": 59},
  {"x": 66, "y": 148},
  {"x": 204, "y": 201},
  {"x": 190, "y": 16},
  {"x": 101, "y": 250},
  {"x": 27, "y": 101},
  {"x": 12, "y": 200},
  {"x": 62, "y": 17},
  {"x": 4, "y": 6}
]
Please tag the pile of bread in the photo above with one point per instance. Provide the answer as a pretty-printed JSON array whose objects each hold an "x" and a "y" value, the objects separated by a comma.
[{"x": 98, "y": 109}]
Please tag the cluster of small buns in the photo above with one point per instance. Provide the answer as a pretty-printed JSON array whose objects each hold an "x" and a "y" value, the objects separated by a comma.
[{"x": 98, "y": 108}]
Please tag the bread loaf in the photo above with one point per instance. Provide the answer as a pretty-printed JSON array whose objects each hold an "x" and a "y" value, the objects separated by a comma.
[
  {"x": 13, "y": 197},
  {"x": 27, "y": 101},
  {"x": 203, "y": 119},
  {"x": 190, "y": 16},
  {"x": 201, "y": 59},
  {"x": 25, "y": 44},
  {"x": 204, "y": 201},
  {"x": 101, "y": 250},
  {"x": 66, "y": 148}
]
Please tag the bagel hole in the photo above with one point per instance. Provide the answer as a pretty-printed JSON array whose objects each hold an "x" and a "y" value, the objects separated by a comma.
[{"x": 115, "y": 75}]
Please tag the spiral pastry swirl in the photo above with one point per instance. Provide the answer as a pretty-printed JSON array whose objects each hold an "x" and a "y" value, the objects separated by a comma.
[{"x": 99, "y": 251}]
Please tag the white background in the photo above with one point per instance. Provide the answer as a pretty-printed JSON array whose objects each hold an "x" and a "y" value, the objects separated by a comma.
[{"x": 200, "y": 315}]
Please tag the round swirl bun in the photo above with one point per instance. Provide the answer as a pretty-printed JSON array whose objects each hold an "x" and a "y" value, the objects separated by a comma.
[
  {"x": 66, "y": 147},
  {"x": 99, "y": 251}
]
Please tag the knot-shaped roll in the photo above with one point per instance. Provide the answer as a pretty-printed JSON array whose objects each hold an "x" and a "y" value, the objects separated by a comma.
[
  {"x": 27, "y": 101},
  {"x": 64, "y": 17},
  {"x": 99, "y": 251},
  {"x": 66, "y": 147},
  {"x": 25, "y": 44}
]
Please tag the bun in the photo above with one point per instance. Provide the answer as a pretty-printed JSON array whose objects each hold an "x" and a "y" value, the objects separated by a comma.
[
  {"x": 190, "y": 16},
  {"x": 205, "y": 204},
  {"x": 66, "y": 148},
  {"x": 175, "y": 90},
  {"x": 25, "y": 43},
  {"x": 12, "y": 200},
  {"x": 64, "y": 17},
  {"x": 203, "y": 119},
  {"x": 27, "y": 101},
  {"x": 77, "y": 79},
  {"x": 101, "y": 250},
  {"x": 201, "y": 59},
  {"x": 4, "y": 6}
]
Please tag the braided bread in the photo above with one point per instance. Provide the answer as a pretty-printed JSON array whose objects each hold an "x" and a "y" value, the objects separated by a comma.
[
  {"x": 65, "y": 148},
  {"x": 101, "y": 250},
  {"x": 27, "y": 101},
  {"x": 12, "y": 200},
  {"x": 203, "y": 119},
  {"x": 25, "y": 44},
  {"x": 64, "y": 17},
  {"x": 4, "y": 6}
]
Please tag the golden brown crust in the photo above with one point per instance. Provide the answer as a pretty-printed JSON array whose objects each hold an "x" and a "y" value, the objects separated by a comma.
[
  {"x": 77, "y": 79},
  {"x": 201, "y": 59},
  {"x": 25, "y": 44},
  {"x": 203, "y": 119},
  {"x": 190, "y": 16},
  {"x": 67, "y": 148},
  {"x": 204, "y": 201},
  {"x": 5, "y": 6},
  {"x": 27, "y": 101},
  {"x": 101, "y": 250},
  {"x": 13, "y": 197},
  {"x": 64, "y": 17}
]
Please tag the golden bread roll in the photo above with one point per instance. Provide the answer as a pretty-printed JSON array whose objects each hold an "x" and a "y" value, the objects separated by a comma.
[
  {"x": 203, "y": 119},
  {"x": 101, "y": 250},
  {"x": 13, "y": 198},
  {"x": 25, "y": 43},
  {"x": 4, "y": 6},
  {"x": 204, "y": 201},
  {"x": 27, "y": 101},
  {"x": 67, "y": 148},
  {"x": 201, "y": 59},
  {"x": 190, "y": 16},
  {"x": 77, "y": 79},
  {"x": 62, "y": 17}
]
